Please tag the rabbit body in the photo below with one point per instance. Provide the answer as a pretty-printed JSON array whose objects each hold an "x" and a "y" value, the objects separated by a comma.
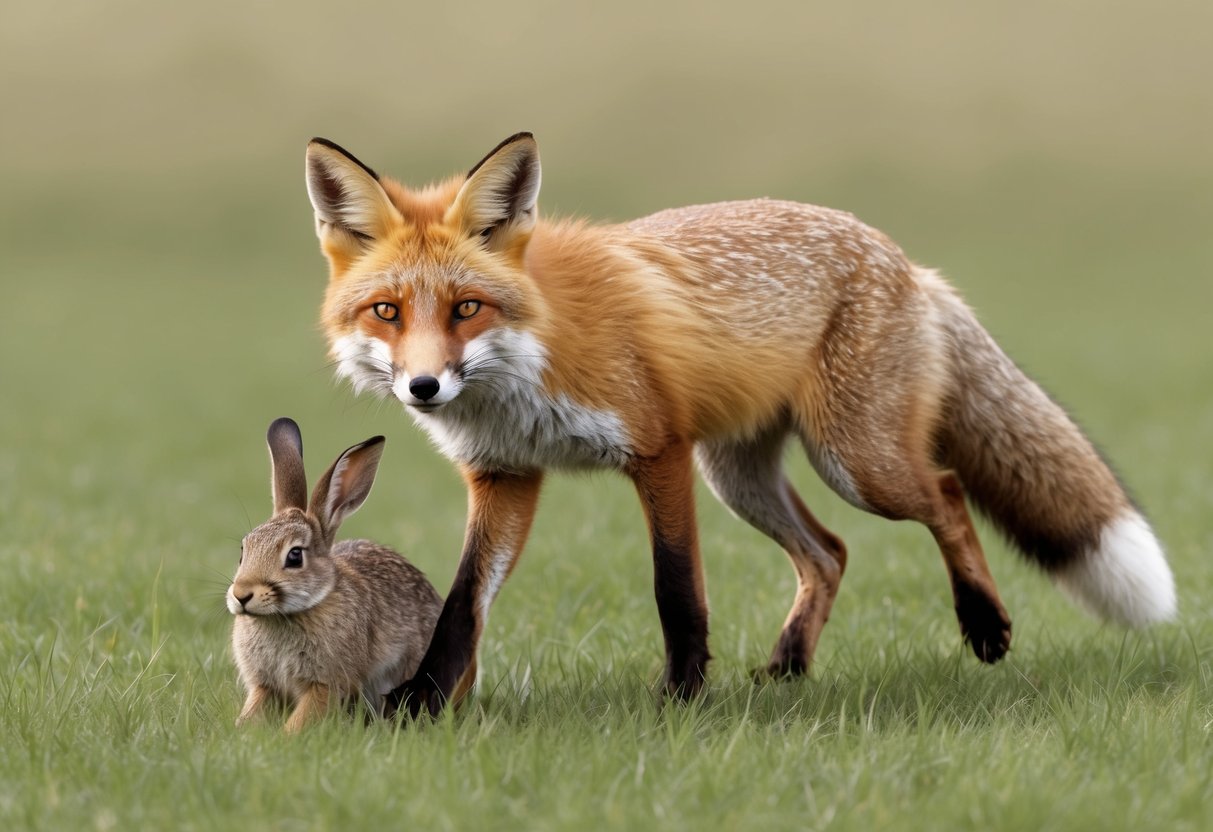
[
  {"x": 319, "y": 623},
  {"x": 365, "y": 637}
]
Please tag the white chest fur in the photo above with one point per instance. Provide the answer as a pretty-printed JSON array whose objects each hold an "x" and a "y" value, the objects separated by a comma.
[{"x": 505, "y": 418}]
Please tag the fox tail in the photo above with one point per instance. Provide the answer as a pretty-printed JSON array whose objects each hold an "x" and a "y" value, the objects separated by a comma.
[{"x": 1029, "y": 468}]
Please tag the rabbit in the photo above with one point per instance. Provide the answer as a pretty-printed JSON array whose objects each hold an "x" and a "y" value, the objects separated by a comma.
[{"x": 317, "y": 624}]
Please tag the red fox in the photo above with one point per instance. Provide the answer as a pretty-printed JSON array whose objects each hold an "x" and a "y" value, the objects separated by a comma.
[{"x": 706, "y": 337}]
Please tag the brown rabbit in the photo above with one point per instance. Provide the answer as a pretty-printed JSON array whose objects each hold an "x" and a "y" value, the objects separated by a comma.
[{"x": 317, "y": 623}]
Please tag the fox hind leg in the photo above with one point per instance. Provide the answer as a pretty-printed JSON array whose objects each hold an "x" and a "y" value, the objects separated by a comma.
[
  {"x": 747, "y": 476},
  {"x": 897, "y": 479},
  {"x": 984, "y": 622}
]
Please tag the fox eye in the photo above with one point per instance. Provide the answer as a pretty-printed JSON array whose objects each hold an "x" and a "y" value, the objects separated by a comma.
[
  {"x": 485, "y": 232},
  {"x": 294, "y": 558},
  {"x": 386, "y": 311},
  {"x": 467, "y": 309}
]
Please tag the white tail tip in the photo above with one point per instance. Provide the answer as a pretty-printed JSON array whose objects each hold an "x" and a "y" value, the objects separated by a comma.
[{"x": 1126, "y": 579}]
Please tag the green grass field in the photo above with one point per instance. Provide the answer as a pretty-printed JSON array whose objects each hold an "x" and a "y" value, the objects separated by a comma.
[{"x": 158, "y": 305}]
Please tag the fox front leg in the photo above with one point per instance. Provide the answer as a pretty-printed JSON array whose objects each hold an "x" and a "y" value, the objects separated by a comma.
[
  {"x": 500, "y": 509},
  {"x": 665, "y": 485}
]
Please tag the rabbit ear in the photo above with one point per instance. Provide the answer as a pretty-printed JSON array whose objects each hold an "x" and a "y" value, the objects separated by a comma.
[
  {"x": 345, "y": 486},
  {"x": 286, "y": 459}
]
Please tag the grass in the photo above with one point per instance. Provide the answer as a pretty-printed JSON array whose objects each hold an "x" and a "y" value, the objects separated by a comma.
[
  {"x": 134, "y": 462},
  {"x": 158, "y": 294}
]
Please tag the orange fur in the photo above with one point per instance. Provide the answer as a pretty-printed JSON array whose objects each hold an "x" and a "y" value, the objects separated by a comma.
[{"x": 719, "y": 330}]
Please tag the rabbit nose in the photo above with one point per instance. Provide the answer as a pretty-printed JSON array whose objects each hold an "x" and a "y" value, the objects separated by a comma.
[{"x": 244, "y": 599}]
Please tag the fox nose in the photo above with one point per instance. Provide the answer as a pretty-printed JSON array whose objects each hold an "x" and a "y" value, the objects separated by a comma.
[
  {"x": 244, "y": 599},
  {"x": 424, "y": 387}
]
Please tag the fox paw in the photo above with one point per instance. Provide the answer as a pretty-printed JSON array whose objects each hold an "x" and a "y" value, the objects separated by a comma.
[
  {"x": 983, "y": 623},
  {"x": 684, "y": 678},
  {"x": 780, "y": 669},
  {"x": 413, "y": 699}
]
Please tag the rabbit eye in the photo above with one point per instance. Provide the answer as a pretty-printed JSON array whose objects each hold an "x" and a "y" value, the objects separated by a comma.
[{"x": 294, "y": 558}]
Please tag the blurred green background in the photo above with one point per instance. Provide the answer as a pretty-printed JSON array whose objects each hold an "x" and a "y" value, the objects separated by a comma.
[{"x": 160, "y": 281}]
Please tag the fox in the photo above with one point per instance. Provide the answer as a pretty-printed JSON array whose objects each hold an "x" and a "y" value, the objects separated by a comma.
[{"x": 707, "y": 337}]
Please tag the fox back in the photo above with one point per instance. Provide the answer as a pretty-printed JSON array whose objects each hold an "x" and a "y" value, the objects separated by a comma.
[{"x": 524, "y": 344}]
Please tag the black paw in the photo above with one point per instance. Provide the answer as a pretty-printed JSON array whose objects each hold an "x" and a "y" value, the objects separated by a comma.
[
  {"x": 684, "y": 679},
  {"x": 983, "y": 623},
  {"x": 790, "y": 658},
  {"x": 414, "y": 699},
  {"x": 780, "y": 668}
]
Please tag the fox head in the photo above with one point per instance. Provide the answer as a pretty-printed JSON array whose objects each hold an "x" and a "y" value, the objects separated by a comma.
[{"x": 427, "y": 292}]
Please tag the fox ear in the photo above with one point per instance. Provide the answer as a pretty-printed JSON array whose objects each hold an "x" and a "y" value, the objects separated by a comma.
[
  {"x": 498, "y": 200},
  {"x": 351, "y": 206},
  {"x": 288, "y": 481},
  {"x": 346, "y": 485}
]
